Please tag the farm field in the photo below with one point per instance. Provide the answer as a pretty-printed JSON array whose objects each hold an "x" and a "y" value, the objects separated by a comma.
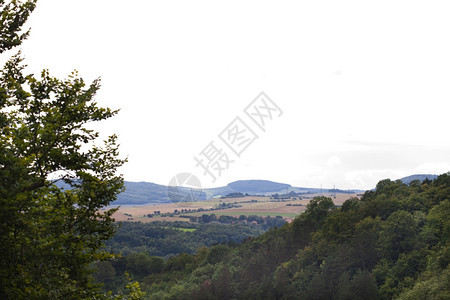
[{"x": 250, "y": 205}]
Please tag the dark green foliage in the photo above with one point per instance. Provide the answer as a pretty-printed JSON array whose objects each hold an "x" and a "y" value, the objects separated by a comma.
[
  {"x": 50, "y": 237},
  {"x": 143, "y": 264},
  {"x": 13, "y": 16},
  {"x": 168, "y": 238},
  {"x": 393, "y": 243},
  {"x": 234, "y": 195},
  {"x": 398, "y": 234}
]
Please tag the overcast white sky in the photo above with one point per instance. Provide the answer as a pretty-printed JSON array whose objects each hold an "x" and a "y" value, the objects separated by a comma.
[{"x": 363, "y": 86}]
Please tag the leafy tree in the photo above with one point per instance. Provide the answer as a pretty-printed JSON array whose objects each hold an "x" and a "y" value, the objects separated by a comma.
[
  {"x": 217, "y": 253},
  {"x": 143, "y": 264},
  {"x": 364, "y": 243},
  {"x": 105, "y": 273},
  {"x": 51, "y": 236},
  {"x": 312, "y": 219},
  {"x": 398, "y": 234},
  {"x": 182, "y": 262},
  {"x": 221, "y": 282},
  {"x": 13, "y": 16},
  {"x": 364, "y": 286}
]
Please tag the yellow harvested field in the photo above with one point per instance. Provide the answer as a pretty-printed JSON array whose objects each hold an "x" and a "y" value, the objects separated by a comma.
[{"x": 249, "y": 205}]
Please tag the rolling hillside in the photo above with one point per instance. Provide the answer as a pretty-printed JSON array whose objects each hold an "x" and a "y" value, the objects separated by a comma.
[{"x": 140, "y": 193}]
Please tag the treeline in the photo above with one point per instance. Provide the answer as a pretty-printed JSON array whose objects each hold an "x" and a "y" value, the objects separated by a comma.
[
  {"x": 265, "y": 222},
  {"x": 189, "y": 211},
  {"x": 392, "y": 243},
  {"x": 145, "y": 249},
  {"x": 165, "y": 239}
]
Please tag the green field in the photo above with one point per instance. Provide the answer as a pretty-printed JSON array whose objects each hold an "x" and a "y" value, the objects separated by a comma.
[
  {"x": 182, "y": 229},
  {"x": 233, "y": 213}
]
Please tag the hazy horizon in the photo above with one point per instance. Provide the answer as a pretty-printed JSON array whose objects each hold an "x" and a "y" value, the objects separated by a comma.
[{"x": 357, "y": 90}]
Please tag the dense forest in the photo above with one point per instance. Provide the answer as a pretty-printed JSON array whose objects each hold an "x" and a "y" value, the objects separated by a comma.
[
  {"x": 166, "y": 239},
  {"x": 143, "y": 247},
  {"x": 393, "y": 243}
]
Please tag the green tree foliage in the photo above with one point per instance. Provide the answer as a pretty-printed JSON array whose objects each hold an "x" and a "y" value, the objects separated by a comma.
[
  {"x": 50, "y": 236},
  {"x": 13, "y": 16},
  {"x": 166, "y": 239},
  {"x": 142, "y": 264},
  {"x": 398, "y": 234},
  {"x": 383, "y": 246}
]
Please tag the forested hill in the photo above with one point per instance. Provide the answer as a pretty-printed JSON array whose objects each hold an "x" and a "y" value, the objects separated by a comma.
[
  {"x": 393, "y": 243},
  {"x": 146, "y": 192},
  {"x": 139, "y": 193},
  {"x": 420, "y": 177},
  {"x": 257, "y": 186}
]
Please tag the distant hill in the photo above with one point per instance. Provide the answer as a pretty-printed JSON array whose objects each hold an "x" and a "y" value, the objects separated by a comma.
[
  {"x": 142, "y": 193},
  {"x": 257, "y": 186},
  {"x": 138, "y": 193},
  {"x": 420, "y": 177}
]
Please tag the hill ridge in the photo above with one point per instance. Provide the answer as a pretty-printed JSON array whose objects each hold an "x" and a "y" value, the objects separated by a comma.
[{"x": 142, "y": 192}]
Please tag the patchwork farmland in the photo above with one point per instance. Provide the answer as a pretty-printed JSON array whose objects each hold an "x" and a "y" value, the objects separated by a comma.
[{"x": 249, "y": 205}]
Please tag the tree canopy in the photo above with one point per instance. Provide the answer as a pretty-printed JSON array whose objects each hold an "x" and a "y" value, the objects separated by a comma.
[
  {"x": 51, "y": 236},
  {"x": 393, "y": 243}
]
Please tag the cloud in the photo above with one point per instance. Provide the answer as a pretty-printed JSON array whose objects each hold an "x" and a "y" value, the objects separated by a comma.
[
  {"x": 333, "y": 161},
  {"x": 367, "y": 179},
  {"x": 438, "y": 167},
  {"x": 362, "y": 164}
]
